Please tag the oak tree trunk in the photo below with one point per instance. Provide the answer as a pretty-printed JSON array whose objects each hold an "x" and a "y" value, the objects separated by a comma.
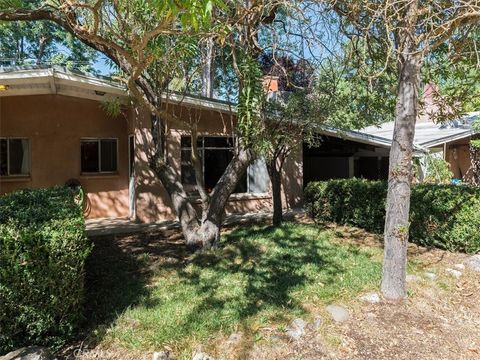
[{"x": 400, "y": 175}]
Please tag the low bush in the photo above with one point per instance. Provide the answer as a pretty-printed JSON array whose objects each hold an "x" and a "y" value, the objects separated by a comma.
[
  {"x": 444, "y": 216},
  {"x": 43, "y": 248}
]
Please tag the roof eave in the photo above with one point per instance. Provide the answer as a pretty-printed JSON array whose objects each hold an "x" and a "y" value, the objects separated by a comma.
[
  {"x": 447, "y": 139},
  {"x": 70, "y": 84},
  {"x": 355, "y": 136}
]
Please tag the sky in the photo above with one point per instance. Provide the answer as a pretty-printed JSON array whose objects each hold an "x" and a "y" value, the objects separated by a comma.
[{"x": 101, "y": 65}]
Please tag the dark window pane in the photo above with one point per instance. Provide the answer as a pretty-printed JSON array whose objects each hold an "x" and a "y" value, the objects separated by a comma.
[
  {"x": 108, "y": 161},
  {"x": 384, "y": 168},
  {"x": 19, "y": 156},
  {"x": 369, "y": 168},
  {"x": 186, "y": 154},
  {"x": 89, "y": 153},
  {"x": 188, "y": 173},
  {"x": 219, "y": 142},
  {"x": 186, "y": 141},
  {"x": 3, "y": 157},
  {"x": 242, "y": 184},
  {"x": 216, "y": 161}
]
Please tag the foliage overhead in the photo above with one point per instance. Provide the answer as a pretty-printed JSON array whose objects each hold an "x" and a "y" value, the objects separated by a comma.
[
  {"x": 43, "y": 43},
  {"x": 446, "y": 38}
]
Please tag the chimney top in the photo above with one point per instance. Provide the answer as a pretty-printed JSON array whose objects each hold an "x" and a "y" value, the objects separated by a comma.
[{"x": 270, "y": 83}]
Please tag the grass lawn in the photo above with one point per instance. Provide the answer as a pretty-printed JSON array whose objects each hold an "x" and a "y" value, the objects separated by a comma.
[{"x": 147, "y": 294}]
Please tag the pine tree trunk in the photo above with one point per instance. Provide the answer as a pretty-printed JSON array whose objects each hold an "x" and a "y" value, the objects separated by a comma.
[
  {"x": 400, "y": 176},
  {"x": 276, "y": 180}
]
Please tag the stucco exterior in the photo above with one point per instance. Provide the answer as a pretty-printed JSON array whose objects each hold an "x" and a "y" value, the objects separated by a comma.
[
  {"x": 55, "y": 125},
  {"x": 457, "y": 154},
  {"x": 152, "y": 201}
]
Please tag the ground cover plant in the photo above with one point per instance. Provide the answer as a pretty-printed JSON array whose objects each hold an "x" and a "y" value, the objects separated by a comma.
[{"x": 147, "y": 293}]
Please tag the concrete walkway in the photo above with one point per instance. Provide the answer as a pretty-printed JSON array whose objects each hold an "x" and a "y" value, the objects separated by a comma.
[{"x": 116, "y": 226}]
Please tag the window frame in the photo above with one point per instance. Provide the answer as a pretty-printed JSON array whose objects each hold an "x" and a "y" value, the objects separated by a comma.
[
  {"x": 99, "y": 140},
  {"x": 202, "y": 148},
  {"x": 8, "y": 175}
]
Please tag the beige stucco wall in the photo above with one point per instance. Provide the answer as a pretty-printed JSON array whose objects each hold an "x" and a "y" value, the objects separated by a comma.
[
  {"x": 458, "y": 156},
  {"x": 55, "y": 124},
  {"x": 152, "y": 200}
]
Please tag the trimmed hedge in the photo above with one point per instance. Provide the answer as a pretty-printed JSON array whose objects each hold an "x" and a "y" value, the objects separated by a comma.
[
  {"x": 444, "y": 216},
  {"x": 43, "y": 248}
]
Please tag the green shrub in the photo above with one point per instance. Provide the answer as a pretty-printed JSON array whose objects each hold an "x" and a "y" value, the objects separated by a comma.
[
  {"x": 43, "y": 248},
  {"x": 443, "y": 216}
]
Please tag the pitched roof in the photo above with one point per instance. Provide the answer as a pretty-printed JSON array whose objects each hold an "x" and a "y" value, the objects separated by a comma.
[
  {"x": 429, "y": 134},
  {"x": 357, "y": 136},
  {"x": 57, "y": 80}
]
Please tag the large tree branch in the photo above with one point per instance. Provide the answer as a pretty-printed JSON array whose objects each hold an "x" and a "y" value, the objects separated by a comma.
[{"x": 59, "y": 18}]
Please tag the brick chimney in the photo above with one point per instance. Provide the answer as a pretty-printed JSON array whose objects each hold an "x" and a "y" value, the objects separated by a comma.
[
  {"x": 270, "y": 84},
  {"x": 430, "y": 103}
]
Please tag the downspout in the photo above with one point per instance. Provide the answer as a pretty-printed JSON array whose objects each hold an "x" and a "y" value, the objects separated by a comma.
[{"x": 418, "y": 156}]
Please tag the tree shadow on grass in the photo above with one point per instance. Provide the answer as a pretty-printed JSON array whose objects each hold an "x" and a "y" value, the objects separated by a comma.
[
  {"x": 270, "y": 276},
  {"x": 261, "y": 271},
  {"x": 117, "y": 274}
]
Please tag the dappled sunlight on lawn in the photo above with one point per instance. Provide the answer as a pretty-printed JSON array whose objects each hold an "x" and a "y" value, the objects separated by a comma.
[{"x": 261, "y": 276}]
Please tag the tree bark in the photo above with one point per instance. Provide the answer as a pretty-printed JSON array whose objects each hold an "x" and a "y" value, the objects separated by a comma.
[
  {"x": 207, "y": 68},
  {"x": 276, "y": 179},
  {"x": 400, "y": 174},
  {"x": 203, "y": 232}
]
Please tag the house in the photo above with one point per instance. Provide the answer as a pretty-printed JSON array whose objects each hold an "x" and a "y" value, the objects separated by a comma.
[
  {"x": 54, "y": 130},
  {"x": 365, "y": 153}
]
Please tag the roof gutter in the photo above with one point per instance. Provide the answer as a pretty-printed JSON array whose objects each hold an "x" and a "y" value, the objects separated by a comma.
[{"x": 445, "y": 139}]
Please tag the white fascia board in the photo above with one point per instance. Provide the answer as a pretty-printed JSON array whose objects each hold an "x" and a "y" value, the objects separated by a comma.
[
  {"x": 355, "y": 136},
  {"x": 89, "y": 83},
  {"x": 447, "y": 139},
  {"x": 365, "y": 138},
  {"x": 49, "y": 81},
  {"x": 199, "y": 103},
  {"x": 22, "y": 75},
  {"x": 57, "y": 80}
]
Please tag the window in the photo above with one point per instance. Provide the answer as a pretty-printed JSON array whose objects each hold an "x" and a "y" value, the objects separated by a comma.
[
  {"x": 98, "y": 155},
  {"x": 215, "y": 154},
  {"x": 14, "y": 157}
]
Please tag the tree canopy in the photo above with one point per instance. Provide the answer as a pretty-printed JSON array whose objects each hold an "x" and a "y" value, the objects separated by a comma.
[{"x": 43, "y": 43}]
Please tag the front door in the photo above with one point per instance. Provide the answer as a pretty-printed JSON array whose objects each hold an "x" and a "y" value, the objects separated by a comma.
[{"x": 131, "y": 176}]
